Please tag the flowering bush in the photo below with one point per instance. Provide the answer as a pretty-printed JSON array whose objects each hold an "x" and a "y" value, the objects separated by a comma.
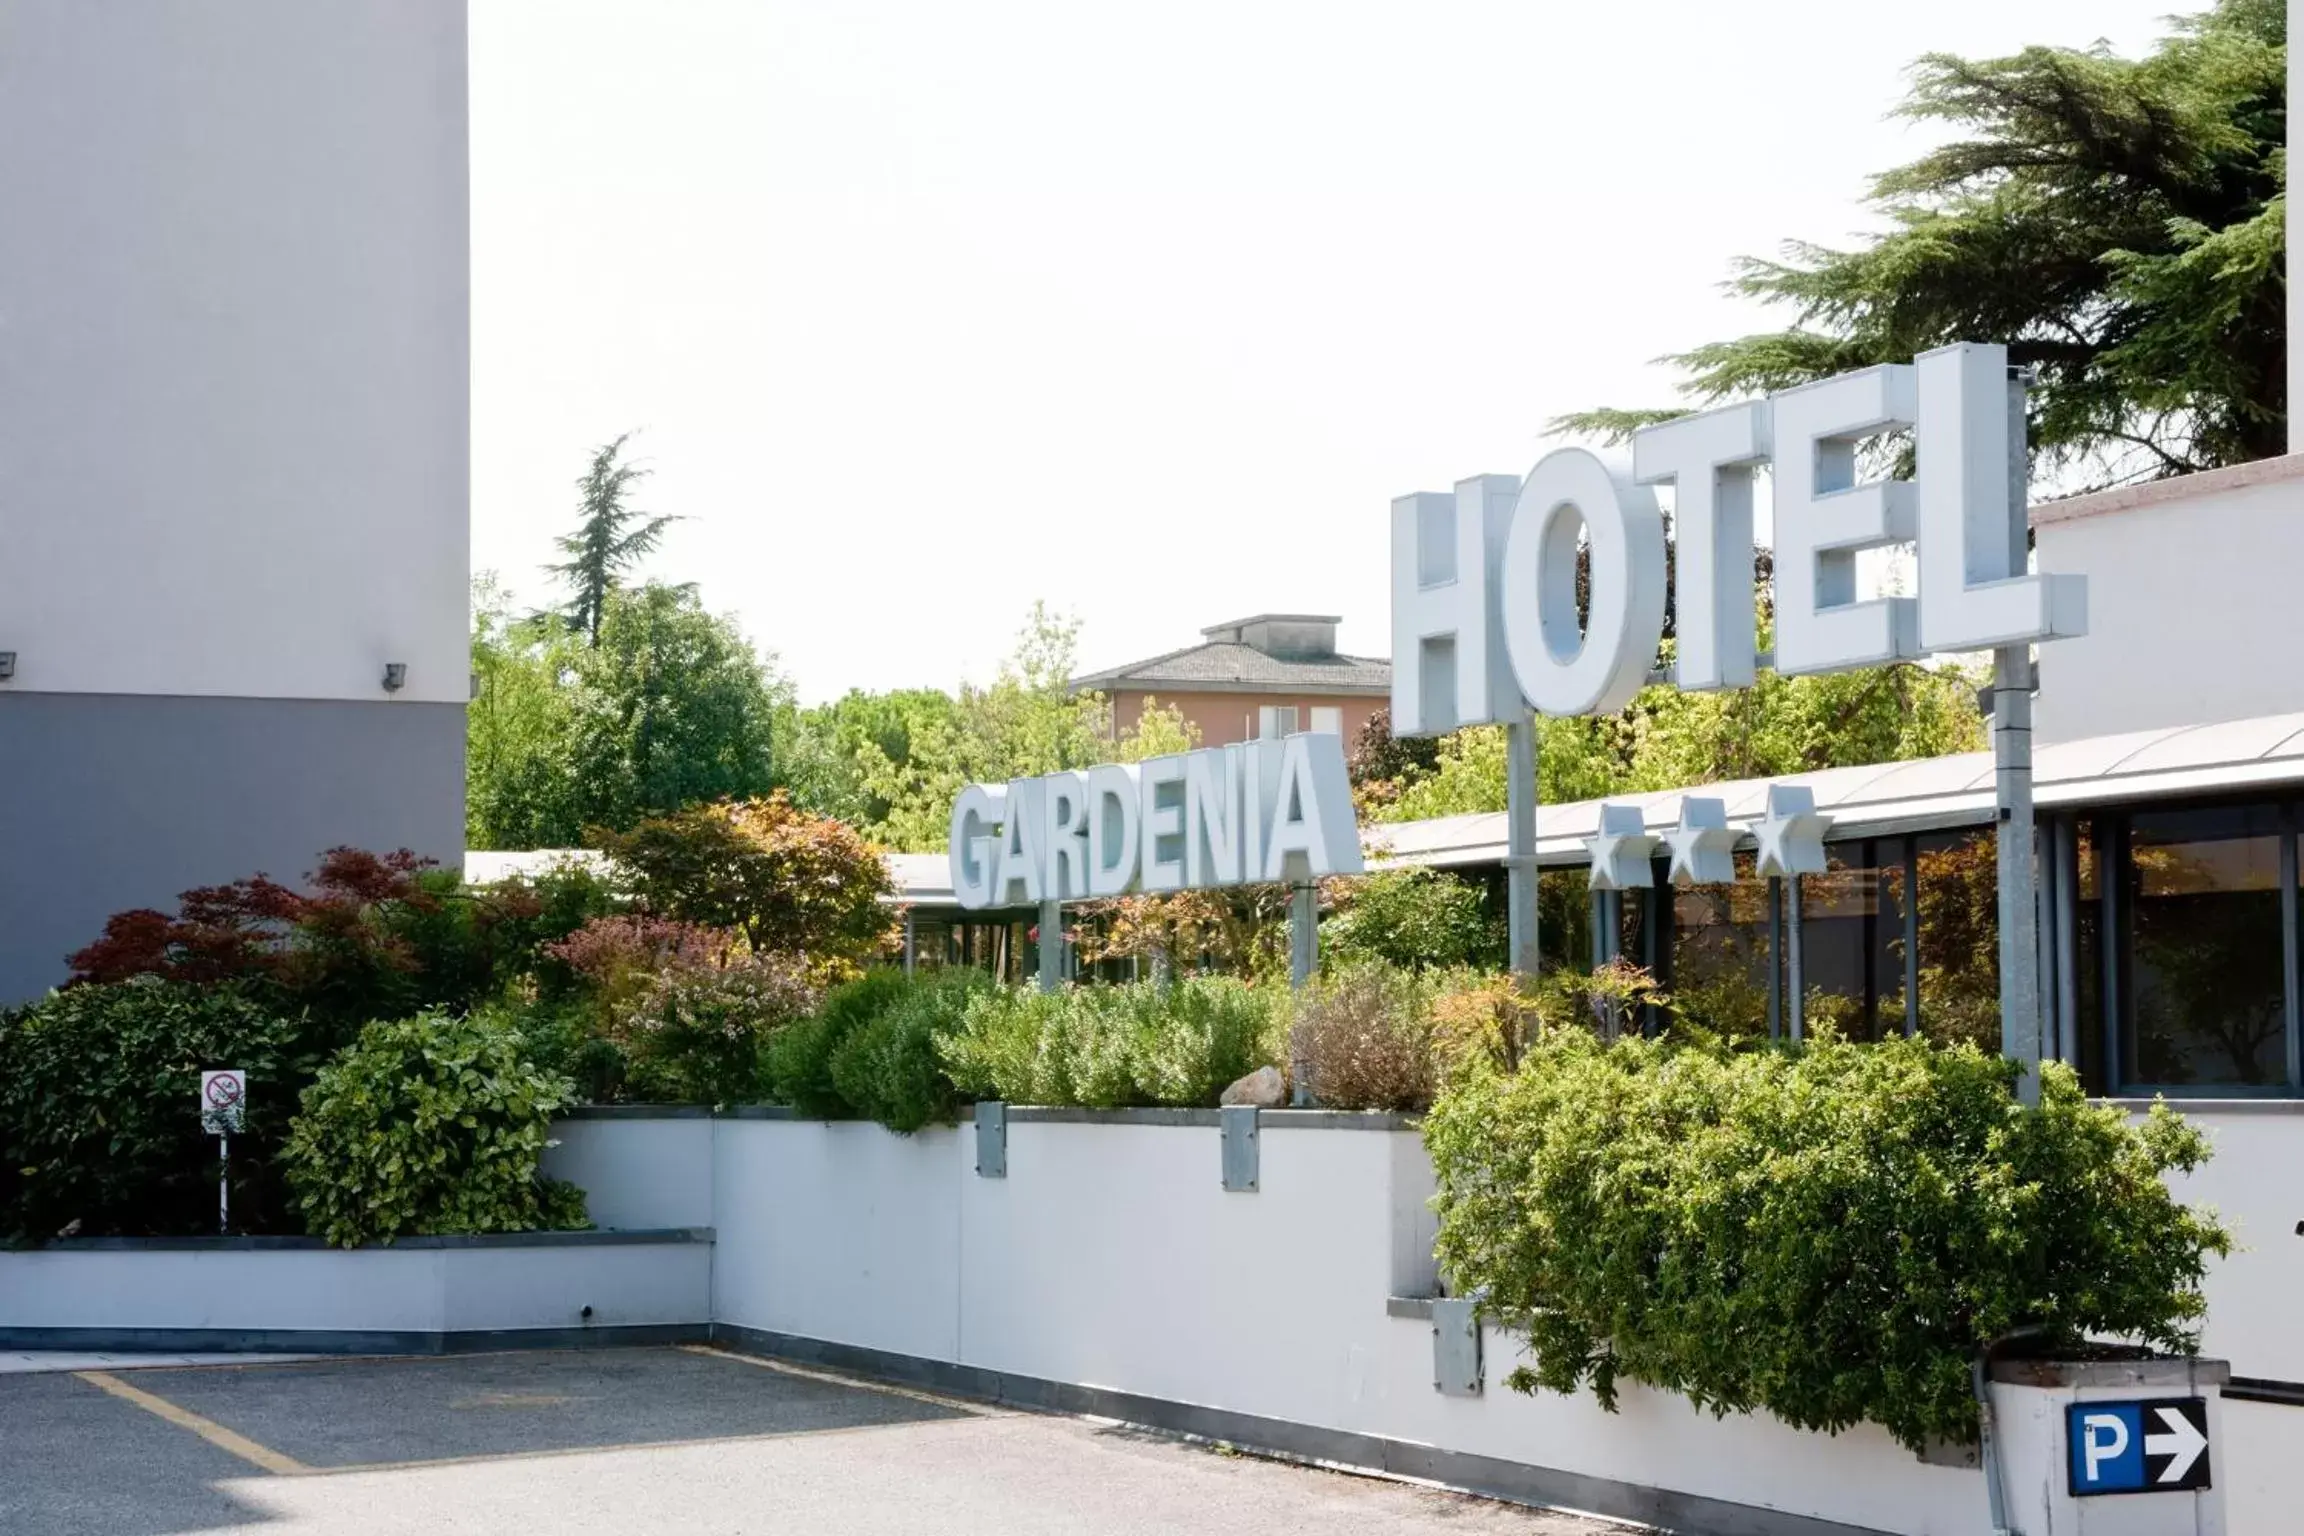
[{"x": 695, "y": 1034}]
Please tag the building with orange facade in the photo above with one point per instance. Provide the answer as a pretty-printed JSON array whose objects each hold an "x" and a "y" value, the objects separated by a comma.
[{"x": 1270, "y": 675}]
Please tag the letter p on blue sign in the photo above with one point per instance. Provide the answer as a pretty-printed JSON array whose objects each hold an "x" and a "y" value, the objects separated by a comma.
[{"x": 2156, "y": 1446}]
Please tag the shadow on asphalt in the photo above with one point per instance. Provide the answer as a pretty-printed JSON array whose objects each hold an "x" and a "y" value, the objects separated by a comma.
[{"x": 75, "y": 1459}]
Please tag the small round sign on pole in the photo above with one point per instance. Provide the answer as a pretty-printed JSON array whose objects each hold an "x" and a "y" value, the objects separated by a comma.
[
  {"x": 223, "y": 1101},
  {"x": 223, "y": 1106}
]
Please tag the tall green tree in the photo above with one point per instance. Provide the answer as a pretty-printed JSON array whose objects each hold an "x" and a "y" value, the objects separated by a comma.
[
  {"x": 2118, "y": 223},
  {"x": 672, "y": 707},
  {"x": 611, "y": 537}
]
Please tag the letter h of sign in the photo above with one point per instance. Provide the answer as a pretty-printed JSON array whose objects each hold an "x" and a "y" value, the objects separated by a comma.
[{"x": 1450, "y": 667}]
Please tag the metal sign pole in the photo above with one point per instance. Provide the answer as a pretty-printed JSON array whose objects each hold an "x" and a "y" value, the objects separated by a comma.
[
  {"x": 1520, "y": 843},
  {"x": 2012, "y": 683},
  {"x": 224, "y": 1186}
]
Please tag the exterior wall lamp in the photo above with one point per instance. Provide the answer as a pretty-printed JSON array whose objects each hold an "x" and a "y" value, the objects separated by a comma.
[
  {"x": 7, "y": 665},
  {"x": 395, "y": 676}
]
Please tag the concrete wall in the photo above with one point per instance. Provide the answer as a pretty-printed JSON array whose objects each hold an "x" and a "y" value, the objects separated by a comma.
[
  {"x": 288, "y": 1293},
  {"x": 2192, "y": 610},
  {"x": 234, "y": 411},
  {"x": 646, "y": 1170}
]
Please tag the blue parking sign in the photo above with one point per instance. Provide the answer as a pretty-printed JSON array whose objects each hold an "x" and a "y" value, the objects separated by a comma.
[{"x": 2155, "y": 1446}]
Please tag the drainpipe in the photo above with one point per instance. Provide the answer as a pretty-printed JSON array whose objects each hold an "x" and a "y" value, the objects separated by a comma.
[{"x": 1980, "y": 1377}]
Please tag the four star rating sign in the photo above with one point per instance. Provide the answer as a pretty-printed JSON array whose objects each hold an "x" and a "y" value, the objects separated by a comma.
[
  {"x": 1791, "y": 835},
  {"x": 2155, "y": 1446},
  {"x": 1703, "y": 845},
  {"x": 1621, "y": 850}
]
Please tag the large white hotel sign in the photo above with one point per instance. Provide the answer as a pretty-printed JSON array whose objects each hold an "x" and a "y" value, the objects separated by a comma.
[{"x": 1484, "y": 613}]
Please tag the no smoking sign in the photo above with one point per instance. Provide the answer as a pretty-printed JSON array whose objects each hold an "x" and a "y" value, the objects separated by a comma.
[{"x": 223, "y": 1101}]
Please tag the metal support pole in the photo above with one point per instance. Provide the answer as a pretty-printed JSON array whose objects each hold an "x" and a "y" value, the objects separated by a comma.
[
  {"x": 2012, "y": 682},
  {"x": 1051, "y": 946},
  {"x": 1599, "y": 929},
  {"x": 1796, "y": 975},
  {"x": 1303, "y": 961},
  {"x": 1775, "y": 957},
  {"x": 1520, "y": 844},
  {"x": 224, "y": 1186},
  {"x": 1303, "y": 934},
  {"x": 911, "y": 943}
]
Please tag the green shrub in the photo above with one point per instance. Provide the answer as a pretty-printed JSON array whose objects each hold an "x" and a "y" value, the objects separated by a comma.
[
  {"x": 798, "y": 1059},
  {"x": 1828, "y": 1235},
  {"x": 1106, "y": 1047},
  {"x": 1416, "y": 918},
  {"x": 426, "y": 1125},
  {"x": 887, "y": 1068},
  {"x": 99, "y": 1109}
]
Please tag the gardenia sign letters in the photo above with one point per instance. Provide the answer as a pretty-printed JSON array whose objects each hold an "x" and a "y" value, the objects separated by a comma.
[
  {"x": 1237, "y": 815},
  {"x": 1484, "y": 613}
]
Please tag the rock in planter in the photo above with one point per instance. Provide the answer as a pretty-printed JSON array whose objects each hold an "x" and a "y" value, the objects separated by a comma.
[{"x": 1265, "y": 1088}]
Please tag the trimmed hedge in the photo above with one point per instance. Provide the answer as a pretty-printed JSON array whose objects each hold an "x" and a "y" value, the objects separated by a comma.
[
  {"x": 100, "y": 1108},
  {"x": 1829, "y": 1235}
]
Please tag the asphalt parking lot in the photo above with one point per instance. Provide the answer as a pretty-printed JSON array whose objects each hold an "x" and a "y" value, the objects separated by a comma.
[{"x": 635, "y": 1441}]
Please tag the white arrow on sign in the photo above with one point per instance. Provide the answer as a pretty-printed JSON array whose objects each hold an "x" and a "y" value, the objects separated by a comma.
[{"x": 2182, "y": 1442}]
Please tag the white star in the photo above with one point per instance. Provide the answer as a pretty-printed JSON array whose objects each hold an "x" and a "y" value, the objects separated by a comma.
[
  {"x": 1621, "y": 851},
  {"x": 1703, "y": 847},
  {"x": 1792, "y": 835}
]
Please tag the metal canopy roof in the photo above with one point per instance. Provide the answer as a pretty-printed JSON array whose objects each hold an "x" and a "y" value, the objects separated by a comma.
[
  {"x": 1888, "y": 799},
  {"x": 1880, "y": 800}
]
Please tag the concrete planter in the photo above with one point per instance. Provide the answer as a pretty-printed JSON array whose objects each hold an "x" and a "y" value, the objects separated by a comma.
[
  {"x": 2098, "y": 1471},
  {"x": 422, "y": 1295}
]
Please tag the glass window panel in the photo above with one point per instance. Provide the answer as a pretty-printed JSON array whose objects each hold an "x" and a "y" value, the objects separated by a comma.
[
  {"x": 2088, "y": 958},
  {"x": 1719, "y": 958},
  {"x": 2206, "y": 1002},
  {"x": 1838, "y": 911},
  {"x": 1564, "y": 919},
  {"x": 1959, "y": 937}
]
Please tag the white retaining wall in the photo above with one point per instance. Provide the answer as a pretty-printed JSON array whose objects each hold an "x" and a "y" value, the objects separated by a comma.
[
  {"x": 420, "y": 1289},
  {"x": 1111, "y": 1257}
]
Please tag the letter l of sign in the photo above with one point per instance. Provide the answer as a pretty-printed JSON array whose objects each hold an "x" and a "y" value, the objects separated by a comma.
[{"x": 1974, "y": 533}]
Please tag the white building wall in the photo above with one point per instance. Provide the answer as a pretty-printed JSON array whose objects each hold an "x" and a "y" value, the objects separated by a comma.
[
  {"x": 234, "y": 448},
  {"x": 234, "y": 400},
  {"x": 2193, "y": 614}
]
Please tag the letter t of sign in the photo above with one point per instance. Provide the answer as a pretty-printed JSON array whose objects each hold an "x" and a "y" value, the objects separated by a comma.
[
  {"x": 1449, "y": 664},
  {"x": 1709, "y": 460}
]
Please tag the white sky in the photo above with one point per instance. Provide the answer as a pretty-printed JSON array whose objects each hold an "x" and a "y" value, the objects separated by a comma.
[{"x": 926, "y": 310}]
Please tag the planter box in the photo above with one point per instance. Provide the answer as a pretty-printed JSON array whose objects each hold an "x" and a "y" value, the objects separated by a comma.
[{"x": 421, "y": 1295}]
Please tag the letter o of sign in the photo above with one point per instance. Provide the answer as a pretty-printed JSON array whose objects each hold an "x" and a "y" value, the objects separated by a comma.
[{"x": 1563, "y": 671}]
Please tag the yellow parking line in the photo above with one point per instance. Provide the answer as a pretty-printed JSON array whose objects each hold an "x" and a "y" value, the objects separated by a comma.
[
  {"x": 207, "y": 1429},
  {"x": 838, "y": 1379}
]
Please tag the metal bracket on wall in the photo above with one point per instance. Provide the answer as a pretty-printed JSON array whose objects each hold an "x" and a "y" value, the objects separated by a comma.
[
  {"x": 1456, "y": 1346},
  {"x": 992, "y": 1140},
  {"x": 1240, "y": 1155}
]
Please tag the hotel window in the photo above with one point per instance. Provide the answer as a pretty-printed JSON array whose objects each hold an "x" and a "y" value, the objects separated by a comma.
[
  {"x": 1274, "y": 721},
  {"x": 2203, "y": 914},
  {"x": 1328, "y": 719}
]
